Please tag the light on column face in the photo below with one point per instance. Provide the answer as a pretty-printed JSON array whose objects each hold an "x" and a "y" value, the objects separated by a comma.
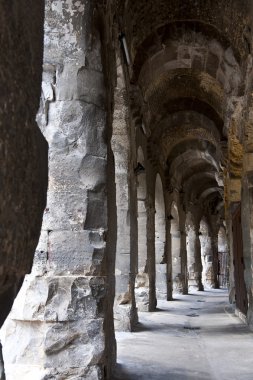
[
  {"x": 122, "y": 39},
  {"x": 143, "y": 128}
]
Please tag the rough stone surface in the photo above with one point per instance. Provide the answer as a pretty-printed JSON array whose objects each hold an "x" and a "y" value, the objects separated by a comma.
[
  {"x": 62, "y": 317},
  {"x": 147, "y": 109}
]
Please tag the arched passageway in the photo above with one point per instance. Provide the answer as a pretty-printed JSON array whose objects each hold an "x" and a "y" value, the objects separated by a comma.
[{"x": 147, "y": 110}]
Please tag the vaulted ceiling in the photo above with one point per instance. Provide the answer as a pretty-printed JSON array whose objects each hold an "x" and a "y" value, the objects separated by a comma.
[{"x": 188, "y": 60}]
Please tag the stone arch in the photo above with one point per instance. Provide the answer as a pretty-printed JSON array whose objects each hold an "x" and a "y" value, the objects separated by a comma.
[{"x": 160, "y": 232}]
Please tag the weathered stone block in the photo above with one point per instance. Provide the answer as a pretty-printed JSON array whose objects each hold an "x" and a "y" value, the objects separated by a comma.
[
  {"x": 66, "y": 208},
  {"x": 59, "y": 299},
  {"x": 74, "y": 252},
  {"x": 71, "y": 126},
  {"x": 96, "y": 210},
  {"x": 53, "y": 351},
  {"x": 92, "y": 172}
]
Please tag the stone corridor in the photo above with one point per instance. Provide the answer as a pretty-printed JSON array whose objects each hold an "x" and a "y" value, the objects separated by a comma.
[
  {"x": 126, "y": 178},
  {"x": 195, "y": 337}
]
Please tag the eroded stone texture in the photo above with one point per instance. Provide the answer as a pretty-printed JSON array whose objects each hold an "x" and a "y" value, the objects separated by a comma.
[
  {"x": 125, "y": 312},
  {"x": 62, "y": 317},
  {"x": 207, "y": 256},
  {"x": 160, "y": 234},
  {"x": 178, "y": 87},
  {"x": 194, "y": 256},
  {"x": 142, "y": 277},
  {"x": 176, "y": 250}
]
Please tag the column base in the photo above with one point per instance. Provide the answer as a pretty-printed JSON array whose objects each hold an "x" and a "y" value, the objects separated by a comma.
[
  {"x": 142, "y": 292},
  {"x": 125, "y": 317},
  {"x": 59, "y": 324}
]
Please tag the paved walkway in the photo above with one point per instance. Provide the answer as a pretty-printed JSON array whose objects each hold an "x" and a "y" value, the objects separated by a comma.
[{"x": 196, "y": 337}]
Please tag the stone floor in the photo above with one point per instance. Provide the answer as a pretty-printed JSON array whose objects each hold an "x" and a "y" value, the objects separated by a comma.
[{"x": 195, "y": 337}]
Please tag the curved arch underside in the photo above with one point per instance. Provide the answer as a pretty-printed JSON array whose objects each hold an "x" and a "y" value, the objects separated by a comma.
[{"x": 187, "y": 69}]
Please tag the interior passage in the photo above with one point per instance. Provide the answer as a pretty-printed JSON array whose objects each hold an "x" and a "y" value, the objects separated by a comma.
[
  {"x": 126, "y": 183},
  {"x": 195, "y": 337}
]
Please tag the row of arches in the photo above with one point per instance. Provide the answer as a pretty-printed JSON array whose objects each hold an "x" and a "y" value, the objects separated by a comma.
[
  {"x": 147, "y": 110},
  {"x": 186, "y": 255}
]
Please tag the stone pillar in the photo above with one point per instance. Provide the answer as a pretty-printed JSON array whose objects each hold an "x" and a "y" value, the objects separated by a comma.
[
  {"x": 125, "y": 313},
  {"x": 161, "y": 279},
  {"x": 183, "y": 254},
  {"x": 142, "y": 278},
  {"x": 198, "y": 262},
  {"x": 151, "y": 252},
  {"x": 247, "y": 230},
  {"x": 62, "y": 316},
  {"x": 207, "y": 257},
  {"x": 214, "y": 245},
  {"x": 160, "y": 237},
  {"x": 176, "y": 260},
  {"x": 194, "y": 259},
  {"x": 169, "y": 261}
]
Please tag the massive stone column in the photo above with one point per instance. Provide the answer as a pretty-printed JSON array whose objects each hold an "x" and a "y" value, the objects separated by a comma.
[
  {"x": 142, "y": 278},
  {"x": 160, "y": 233},
  {"x": 209, "y": 251},
  {"x": 223, "y": 256},
  {"x": 125, "y": 313},
  {"x": 207, "y": 257},
  {"x": 176, "y": 250},
  {"x": 198, "y": 262},
  {"x": 214, "y": 245},
  {"x": 23, "y": 149},
  {"x": 176, "y": 260},
  {"x": 194, "y": 258},
  {"x": 150, "y": 206},
  {"x": 61, "y": 322},
  {"x": 183, "y": 252},
  {"x": 168, "y": 257},
  {"x": 247, "y": 197},
  {"x": 247, "y": 231}
]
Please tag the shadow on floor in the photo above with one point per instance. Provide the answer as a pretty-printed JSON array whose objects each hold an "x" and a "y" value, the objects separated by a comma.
[
  {"x": 121, "y": 373},
  {"x": 141, "y": 327}
]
